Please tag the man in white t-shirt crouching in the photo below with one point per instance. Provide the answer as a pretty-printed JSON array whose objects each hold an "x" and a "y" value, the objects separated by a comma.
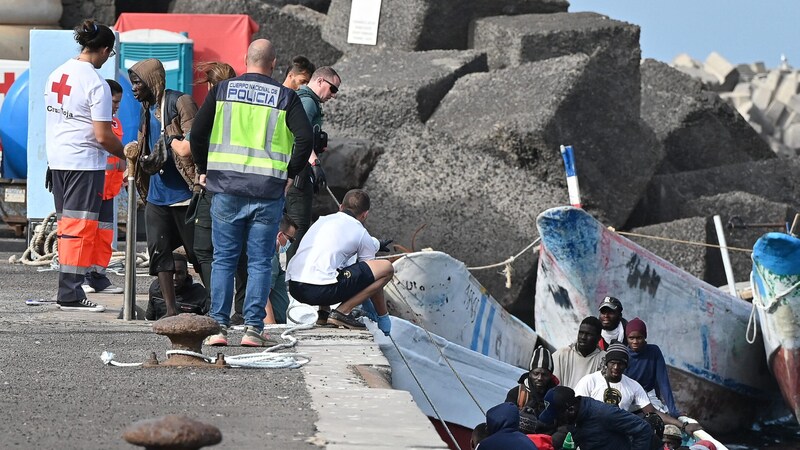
[{"x": 318, "y": 274}]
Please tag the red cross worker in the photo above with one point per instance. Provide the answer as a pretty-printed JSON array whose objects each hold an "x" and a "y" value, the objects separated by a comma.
[{"x": 79, "y": 139}]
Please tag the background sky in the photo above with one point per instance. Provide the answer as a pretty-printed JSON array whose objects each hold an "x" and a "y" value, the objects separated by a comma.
[{"x": 742, "y": 31}]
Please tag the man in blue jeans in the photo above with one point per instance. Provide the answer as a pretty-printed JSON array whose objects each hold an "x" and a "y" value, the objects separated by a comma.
[{"x": 249, "y": 139}]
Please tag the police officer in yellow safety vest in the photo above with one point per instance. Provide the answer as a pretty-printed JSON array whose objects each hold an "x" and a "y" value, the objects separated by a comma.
[{"x": 250, "y": 138}]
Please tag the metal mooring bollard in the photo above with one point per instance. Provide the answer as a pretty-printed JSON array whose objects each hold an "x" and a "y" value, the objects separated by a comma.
[
  {"x": 172, "y": 433},
  {"x": 186, "y": 332}
]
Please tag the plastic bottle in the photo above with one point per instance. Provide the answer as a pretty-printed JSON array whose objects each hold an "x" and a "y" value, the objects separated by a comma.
[{"x": 568, "y": 444}]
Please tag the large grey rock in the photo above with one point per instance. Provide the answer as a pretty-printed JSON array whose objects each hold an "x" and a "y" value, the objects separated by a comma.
[
  {"x": 347, "y": 164},
  {"x": 474, "y": 206},
  {"x": 691, "y": 258},
  {"x": 697, "y": 226},
  {"x": 414, "y": 25},
  {"x": 76, "y": 11},
  {"x": 317, "y": 5},
  {"x": 542, "y": 105},
  {"x": 697, "y": 129},
  {"x": 294, "y": 30},
  {"x": 613, "y": 45},
  {"x": 384, "y": 91},
  {"x": 776, "y": 180}
]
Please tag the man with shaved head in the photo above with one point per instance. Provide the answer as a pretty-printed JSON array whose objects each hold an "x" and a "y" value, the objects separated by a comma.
[{"x": 249, "y": 140}]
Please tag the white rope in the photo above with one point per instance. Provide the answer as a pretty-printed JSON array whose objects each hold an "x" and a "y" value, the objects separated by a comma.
[
  {"x": 261, "y": 360},
  {"x": 441, "y": 353},
  {"x": 758, "y": 302},
  {"x": 507, "y": 269},
  {"x": 430, "y": 402}
]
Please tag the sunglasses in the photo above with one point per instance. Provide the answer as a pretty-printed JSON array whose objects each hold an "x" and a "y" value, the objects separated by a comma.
[
  {"x": 334, "y": 88},
  {"x": 288, "y": 238}
]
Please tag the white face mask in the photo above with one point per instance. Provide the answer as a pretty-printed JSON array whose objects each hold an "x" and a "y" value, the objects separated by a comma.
[{"x": 284, "y": 248}]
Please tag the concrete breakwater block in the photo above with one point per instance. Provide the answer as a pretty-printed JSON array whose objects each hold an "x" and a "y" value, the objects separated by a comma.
[
  {"x": 696, "y": 225},
  {"x": 384, "y": 91},
  {"x": 474, "y": 206},
  {"x": 293, "y": 30},
  {"x": 542, "y": 105},
  {"x": 776, "y": 180},
  {"x": 613, "y": 47},
  {"x": 414, "y": 25},
  {"x": 696, "y": 128}
]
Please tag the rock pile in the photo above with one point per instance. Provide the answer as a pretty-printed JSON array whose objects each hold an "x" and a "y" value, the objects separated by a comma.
[
  {"x": 455, "y": 130},
  {"x": 768, "y": 99}
]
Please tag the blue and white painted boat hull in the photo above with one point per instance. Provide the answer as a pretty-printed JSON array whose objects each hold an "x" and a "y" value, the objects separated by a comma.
[
  {"x": 437, "y": 292},
  {"x": 700, "y": 329},
  {"x": 776, "y": 294}
]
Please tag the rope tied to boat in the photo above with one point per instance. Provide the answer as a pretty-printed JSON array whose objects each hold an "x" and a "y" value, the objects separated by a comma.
[
  {"x": 679, "y": 241},
  {"x": 760, "y": 303},
  {"x": 507, "y": 268}
]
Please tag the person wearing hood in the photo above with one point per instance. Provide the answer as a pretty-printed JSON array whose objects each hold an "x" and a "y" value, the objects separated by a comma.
[
  {"x": 249, "y": 140},
  {"x": 502, "y": 424},
  {"x": 165, "y": 184}
]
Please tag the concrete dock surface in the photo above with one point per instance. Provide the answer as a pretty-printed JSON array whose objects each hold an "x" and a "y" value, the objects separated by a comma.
[{"x": 56, "y": 392}]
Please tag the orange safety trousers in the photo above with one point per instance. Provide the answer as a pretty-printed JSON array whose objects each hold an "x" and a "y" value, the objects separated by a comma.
[{"x": 78, "y": 196}]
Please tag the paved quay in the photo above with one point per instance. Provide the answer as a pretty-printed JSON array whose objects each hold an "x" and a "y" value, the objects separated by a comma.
[{"x": 57, "y": 393}]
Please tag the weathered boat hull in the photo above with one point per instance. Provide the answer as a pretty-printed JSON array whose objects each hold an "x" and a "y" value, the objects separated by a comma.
[
  {"x": 487, "y": 379},
  {"x": 776, "y": 292},
  {"x": 437, "y": 292},
  {"x": 701, "y": 330}
]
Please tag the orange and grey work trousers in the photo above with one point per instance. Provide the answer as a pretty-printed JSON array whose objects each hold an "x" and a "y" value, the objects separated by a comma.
[{"x": 78, "y": 196}]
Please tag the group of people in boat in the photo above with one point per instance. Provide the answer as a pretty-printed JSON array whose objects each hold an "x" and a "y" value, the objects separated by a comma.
[{"x": 609, "y": 390}]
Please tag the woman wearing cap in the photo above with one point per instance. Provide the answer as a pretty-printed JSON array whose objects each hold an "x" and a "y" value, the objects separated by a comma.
[{"x": 528, "y": 395}]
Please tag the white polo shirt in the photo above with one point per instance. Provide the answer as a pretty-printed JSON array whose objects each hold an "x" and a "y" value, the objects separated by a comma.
[
  {"x": 75, "y": 96},
  {"x": 594, "y": 385},
  {"x": 329, "y": 245}
]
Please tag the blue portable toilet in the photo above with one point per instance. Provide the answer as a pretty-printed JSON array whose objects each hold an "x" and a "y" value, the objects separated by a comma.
[
  {"x": 14, "y": 129},
  {"x": 174, "y": 50}
]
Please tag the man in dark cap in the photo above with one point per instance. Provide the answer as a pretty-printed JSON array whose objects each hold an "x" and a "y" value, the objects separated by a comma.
[
  {"x": 616, "y": 388},
  {"x": 612, "y": 321},
  {"x": 528, "y": 395},
  {"x": 597, "y": 426}
]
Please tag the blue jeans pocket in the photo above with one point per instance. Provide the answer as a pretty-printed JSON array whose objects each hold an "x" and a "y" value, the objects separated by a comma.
[{"x": 225, "y": 207}]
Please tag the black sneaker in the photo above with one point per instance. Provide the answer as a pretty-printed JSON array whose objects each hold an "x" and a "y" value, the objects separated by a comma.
[
  {"x": 82, "y": 305},
  {"x": 237, "y": 319},
  {"x": 347, "y": 321}
]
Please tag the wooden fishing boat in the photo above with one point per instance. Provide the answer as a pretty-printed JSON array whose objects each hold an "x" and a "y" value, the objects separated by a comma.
[
  {"x": 487, "y": 379},
  {"x": 776, "y": 296},
  {"x": 437, "y": 292},
  {"x": 716, "y": 375}
]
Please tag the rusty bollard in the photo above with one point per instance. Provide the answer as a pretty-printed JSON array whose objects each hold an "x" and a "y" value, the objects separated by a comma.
[
  {"x": 186, "y": 332},
  {"x": 172, "y": 432}
]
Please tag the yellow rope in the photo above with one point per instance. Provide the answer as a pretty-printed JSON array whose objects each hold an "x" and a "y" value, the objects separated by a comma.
[{"x": 680, "y": 241}]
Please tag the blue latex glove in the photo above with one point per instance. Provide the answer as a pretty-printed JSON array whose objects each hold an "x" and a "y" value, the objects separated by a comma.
[
  {"x": 369, "y": 310},
  {"x": 385, "y": 324}
]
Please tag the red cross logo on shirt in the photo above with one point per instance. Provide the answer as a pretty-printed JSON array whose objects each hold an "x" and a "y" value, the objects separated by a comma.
[{"x": 61, "y": 88}]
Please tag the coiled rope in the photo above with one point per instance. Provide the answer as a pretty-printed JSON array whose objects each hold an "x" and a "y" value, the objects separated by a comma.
[
  {"x": 43, "y": 250},
  {"x": 261, "y": 360}
]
